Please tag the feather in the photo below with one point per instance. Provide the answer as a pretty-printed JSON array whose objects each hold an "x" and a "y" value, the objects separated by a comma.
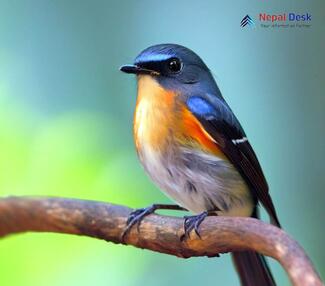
[{"x": 222, "y": 125}]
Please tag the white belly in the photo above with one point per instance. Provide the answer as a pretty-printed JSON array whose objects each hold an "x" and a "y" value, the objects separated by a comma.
[{"x": 198, "y": 181}]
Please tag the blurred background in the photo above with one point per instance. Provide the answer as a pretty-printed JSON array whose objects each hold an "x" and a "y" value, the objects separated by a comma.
[{"x": 66, "y": 124}]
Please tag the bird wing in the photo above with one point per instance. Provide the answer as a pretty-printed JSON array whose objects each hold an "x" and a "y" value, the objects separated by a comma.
[{"x": 221, "y": 124}]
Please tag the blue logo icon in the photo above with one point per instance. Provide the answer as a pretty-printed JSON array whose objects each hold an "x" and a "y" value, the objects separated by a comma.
[{"x": 247, "y": 20}]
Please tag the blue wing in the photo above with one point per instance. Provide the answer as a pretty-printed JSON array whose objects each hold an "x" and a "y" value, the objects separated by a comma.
[{"x": 219, "y": 121}]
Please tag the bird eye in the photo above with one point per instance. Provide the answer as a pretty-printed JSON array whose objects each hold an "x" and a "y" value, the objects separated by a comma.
[{"x": 174, "y": 65}]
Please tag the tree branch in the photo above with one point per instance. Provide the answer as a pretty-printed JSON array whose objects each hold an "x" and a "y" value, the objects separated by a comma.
[{"x": 157, "y": 233}]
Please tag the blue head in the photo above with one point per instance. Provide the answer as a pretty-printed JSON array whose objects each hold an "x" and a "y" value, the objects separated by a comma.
[{"x": 174, "y": 67}]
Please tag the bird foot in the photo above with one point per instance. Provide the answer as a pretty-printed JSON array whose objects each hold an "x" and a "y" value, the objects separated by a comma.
[
  {"x": 136, "y": 217},
  {"x": 193, "y": 223}
]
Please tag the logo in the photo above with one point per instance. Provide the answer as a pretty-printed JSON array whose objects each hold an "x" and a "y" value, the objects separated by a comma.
[
  {"x": 247, "y": 20},
  {"x": 278, "y": 20},
  {"x": 284, "y": 17}
]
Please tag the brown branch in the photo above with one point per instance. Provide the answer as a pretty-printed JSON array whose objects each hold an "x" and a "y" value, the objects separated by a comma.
[{"x": 157, "y": 233}]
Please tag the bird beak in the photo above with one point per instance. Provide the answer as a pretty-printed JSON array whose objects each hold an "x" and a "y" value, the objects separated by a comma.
[{"x": 137, "y": 70}]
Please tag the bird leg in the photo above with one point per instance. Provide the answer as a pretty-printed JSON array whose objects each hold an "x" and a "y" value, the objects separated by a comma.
[
  {"x": 194, "y": 222},
  {"x": 138, "y": 215}
]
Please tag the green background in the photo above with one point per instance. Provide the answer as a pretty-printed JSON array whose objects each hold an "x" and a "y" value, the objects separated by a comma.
[{"x": 66, "y": 124}]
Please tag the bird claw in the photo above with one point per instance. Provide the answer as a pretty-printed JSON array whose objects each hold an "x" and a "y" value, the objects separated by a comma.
[
  {"x": 136, "y": 217},
  {"x": 193, "y": 223}
]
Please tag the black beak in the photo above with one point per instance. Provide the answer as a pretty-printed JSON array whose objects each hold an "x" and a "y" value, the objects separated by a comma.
[{"x": 137, "y": 70}]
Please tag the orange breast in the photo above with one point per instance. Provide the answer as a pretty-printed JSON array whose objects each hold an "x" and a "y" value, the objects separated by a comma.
[
  {"x": 154, "y": 115},
  {"x": 160, "y": 118}
]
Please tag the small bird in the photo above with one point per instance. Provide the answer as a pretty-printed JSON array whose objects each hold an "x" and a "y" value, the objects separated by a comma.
[{"x": 194, "y": 148}]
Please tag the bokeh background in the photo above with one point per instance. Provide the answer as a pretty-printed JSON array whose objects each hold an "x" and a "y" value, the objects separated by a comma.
[{"x": 66, "y": 124}]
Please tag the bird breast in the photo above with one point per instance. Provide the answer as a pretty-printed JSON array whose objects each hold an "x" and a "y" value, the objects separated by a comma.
[{"x": 153, "y": 114}]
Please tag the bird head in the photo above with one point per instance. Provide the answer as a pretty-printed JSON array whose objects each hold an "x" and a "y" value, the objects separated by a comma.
[{"x": 173, "y": 66}]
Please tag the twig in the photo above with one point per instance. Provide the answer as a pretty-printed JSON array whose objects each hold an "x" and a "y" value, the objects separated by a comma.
[{"x": 157, "y": 233}]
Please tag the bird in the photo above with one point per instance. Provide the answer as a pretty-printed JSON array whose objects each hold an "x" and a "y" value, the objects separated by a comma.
[{"x": 195, "y": 150}]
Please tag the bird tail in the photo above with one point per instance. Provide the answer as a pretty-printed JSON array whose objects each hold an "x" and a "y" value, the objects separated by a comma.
[{"x": 252, "y": 269}]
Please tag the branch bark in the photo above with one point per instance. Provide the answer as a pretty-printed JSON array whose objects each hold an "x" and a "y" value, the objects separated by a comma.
[{"x": 157, "y": 233}]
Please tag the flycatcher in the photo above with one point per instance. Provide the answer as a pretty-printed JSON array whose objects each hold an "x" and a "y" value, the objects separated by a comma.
[{"x": 194, "y": 148}]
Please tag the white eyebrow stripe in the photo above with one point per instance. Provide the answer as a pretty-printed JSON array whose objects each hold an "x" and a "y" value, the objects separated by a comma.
[{"x": 239, "y": 141}]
